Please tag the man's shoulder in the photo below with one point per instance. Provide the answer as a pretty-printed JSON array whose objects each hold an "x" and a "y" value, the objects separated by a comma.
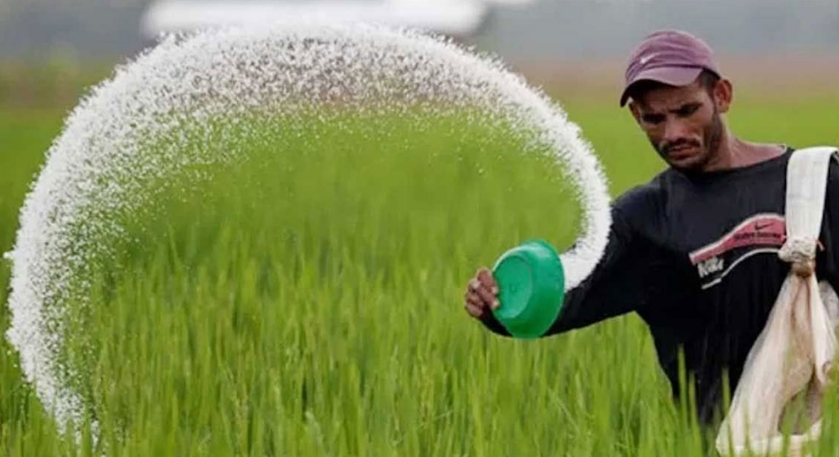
[
  {"x": 641, "y": 206},
  {"x": 832, "y": 168},
  {"x": 833, "y": 176},
  {"x": 644, "y": 197}
]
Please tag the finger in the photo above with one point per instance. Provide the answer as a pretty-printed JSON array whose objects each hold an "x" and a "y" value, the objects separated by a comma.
[
  {"x": 485, "y": 276},
  {"x": 474, "y": 311},
  {"x": 488, "y": 298},
  {"x": 475, "y": 299},
  {"x": 476, "y": 303},
  {"x": 474, "y": 285}
]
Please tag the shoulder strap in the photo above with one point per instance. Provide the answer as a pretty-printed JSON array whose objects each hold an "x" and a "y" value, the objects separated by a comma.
[{"x": 806, "y": 188}]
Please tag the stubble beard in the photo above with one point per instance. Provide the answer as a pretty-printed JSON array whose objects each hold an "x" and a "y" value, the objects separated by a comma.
[{"x": 712, "y": 138}]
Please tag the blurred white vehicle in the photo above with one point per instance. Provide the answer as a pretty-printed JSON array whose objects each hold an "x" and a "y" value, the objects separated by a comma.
[{"x": 456, "y": 18}]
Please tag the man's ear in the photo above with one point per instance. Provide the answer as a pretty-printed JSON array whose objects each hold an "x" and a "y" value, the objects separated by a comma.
[{"x": 723, "y": 95}]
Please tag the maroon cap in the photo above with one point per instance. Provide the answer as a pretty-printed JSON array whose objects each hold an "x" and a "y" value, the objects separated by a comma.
[{"x": 672, "y": 57}]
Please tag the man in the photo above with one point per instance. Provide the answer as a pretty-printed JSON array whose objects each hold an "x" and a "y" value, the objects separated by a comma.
[{"x": 694, "y": 251}]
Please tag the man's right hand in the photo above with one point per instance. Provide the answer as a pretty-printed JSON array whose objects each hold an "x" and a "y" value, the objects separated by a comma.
[{"x": 481, "y": 294}]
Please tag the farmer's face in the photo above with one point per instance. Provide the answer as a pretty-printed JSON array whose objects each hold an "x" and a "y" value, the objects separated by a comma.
[{"x": 684, "y": 124}]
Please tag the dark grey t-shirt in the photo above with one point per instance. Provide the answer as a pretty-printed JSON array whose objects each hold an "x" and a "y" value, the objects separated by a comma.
[{"x": 695, "y": 256}]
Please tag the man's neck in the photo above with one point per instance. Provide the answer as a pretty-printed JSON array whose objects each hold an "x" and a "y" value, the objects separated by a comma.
[{"x": 736, "y": 153}]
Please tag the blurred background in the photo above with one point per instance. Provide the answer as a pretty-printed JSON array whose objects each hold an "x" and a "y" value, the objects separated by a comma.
[{"x": 49, "y": 49}]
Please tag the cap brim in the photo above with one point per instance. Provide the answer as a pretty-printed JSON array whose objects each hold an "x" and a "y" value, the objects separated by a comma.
[{"x": 672, "y": 76}]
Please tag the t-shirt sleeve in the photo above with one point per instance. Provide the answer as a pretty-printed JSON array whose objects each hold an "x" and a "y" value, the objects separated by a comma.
[{"x": 614, "y": 287}]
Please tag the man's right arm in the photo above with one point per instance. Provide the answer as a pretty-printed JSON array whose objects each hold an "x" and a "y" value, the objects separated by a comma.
[{"x": 615, "y": 286}]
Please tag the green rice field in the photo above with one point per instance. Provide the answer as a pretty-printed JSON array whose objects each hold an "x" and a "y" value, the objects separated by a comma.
[{"x": 309, "y": 302}]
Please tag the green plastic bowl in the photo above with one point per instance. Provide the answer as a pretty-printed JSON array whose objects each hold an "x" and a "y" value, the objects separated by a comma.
[{"x": 531, "y": 288}]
